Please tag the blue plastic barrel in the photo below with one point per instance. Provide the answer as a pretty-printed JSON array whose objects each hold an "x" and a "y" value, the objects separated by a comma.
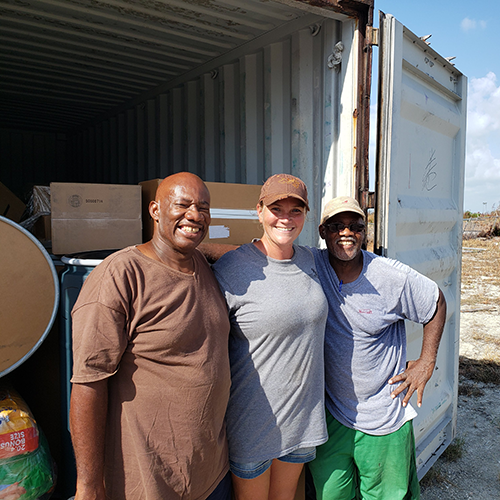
[{"x": 77, "y": 268}]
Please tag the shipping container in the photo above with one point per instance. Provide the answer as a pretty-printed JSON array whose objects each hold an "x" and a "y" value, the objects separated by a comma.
[{"x": 123, "y": 91}]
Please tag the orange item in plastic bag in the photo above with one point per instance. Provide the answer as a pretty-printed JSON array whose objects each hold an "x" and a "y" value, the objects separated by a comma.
[{"x": 18, "y": 430}]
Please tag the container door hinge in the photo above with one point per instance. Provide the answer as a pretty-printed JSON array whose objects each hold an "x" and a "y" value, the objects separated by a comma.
[
  {"x": 372, "y": 35},
  {"x": 335, "y": 58},
  {"x": 371, "y": 200}
]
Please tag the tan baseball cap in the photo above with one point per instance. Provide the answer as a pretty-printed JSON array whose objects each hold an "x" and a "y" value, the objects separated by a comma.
[
  {"x": 281, "y": 186},
  {"x": 339, "y": 205}
]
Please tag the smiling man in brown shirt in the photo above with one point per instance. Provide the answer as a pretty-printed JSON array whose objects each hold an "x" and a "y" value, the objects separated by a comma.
[{"x": 151, "y": 372}]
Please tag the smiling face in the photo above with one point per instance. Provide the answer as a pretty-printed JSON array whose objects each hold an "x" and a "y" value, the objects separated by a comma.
[
  {"x": 181, "y": 213},
  {"x": 344, "y": 245},
  {"x": 282, "y": 221}
]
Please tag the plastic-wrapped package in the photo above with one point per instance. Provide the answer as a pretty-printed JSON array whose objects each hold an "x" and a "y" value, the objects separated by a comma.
[
  {"x": 40, "y": 200},
  {"x": 38, "y": 205},
  {"x": 26, "y": 470}
]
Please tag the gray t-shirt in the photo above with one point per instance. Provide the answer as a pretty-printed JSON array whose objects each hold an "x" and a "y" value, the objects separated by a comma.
[
  {"x": 278, "y": 313},
  {"x": 365, "y": 340}
]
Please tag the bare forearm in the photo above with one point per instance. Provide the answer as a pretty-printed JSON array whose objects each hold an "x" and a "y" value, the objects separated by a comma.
[
  {"x": 418, "y": 372},
  {"x": 433, "y": 331},
  {"x": 214, "y": 251},
  {"x": 89, "y": 405}
]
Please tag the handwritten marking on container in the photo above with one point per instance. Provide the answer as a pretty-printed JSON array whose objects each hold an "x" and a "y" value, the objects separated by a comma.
[{"x": 430, "y": 175}]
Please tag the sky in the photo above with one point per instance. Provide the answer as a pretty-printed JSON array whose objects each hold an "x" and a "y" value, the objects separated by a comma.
[{"x": 469, "y": 31}]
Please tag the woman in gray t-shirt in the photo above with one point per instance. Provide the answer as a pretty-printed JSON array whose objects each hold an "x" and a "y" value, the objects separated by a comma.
[{"x": 278, "y": 311}]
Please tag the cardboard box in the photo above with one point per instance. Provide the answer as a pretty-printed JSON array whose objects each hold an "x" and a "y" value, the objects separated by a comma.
[
  {"x": 42, "y": 228},
  {"x": 89, "y": 217},
  {"x": 232, "y": 208},
  {"x": 10, "y": 205}
]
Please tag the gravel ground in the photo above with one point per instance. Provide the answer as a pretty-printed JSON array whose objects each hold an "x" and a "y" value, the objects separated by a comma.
[{"x": 476, "y": 474}]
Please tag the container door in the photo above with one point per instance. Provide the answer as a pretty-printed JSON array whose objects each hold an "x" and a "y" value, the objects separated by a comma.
[{"x": 419, "y": 204}]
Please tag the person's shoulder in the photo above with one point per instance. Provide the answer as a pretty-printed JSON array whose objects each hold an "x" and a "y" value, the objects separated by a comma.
[
  {"x": 391, "y": 267},
  {"x": 314, "y": 250},
  {"x": 200, "y": 257},
  {"x": 235, "y": 263},
  {"x": 128, "y": 258},
  {"x": 307, "y": 253},
  {"x": 116, "y": 260},
  {"x": 107, "y": 278},
  {"x": 234, "y": 257},
  {"x": 372, "y": 260},
  {"x": 319, "y": 254},
  {"x": 304, "y": 250}
]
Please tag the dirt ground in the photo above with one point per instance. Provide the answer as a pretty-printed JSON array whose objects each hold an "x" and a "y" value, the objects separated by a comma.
[{"x": 470, "y": 469}]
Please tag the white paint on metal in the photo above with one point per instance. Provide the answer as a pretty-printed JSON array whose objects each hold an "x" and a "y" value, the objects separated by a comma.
[
  {"x": 230, "y": 76},
  {"x": 233, "y": 213},
  {"x": 339, "y": 177},
  {"x": 303, "y": 133},
  {"x": 253, "y": 117},
  {"x": 210, "y": 127},
  {"x": 277, "y": 107},
  {"x": 420, "y": 170},
  {"x": 193, "y": 127}
]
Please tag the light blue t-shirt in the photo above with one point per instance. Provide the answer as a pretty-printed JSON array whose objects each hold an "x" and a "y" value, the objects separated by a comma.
[
  {"x": 278, "y": 314},
  {"x": 365, "y": 339}
]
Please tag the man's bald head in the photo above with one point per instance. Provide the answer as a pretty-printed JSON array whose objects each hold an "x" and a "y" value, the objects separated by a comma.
[
  {"x": 184, "y": 179},
  {"x": 181, "y": 211}
]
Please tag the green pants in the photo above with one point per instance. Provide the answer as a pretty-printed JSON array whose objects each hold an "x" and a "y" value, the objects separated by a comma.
[{"x": 353, "y": 465}]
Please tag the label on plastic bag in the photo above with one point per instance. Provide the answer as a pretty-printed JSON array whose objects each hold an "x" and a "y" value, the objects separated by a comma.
[{"x": 16, "y": 443}]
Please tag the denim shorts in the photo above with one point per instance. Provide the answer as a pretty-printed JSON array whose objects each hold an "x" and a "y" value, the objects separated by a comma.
[{"x": 255, "y": 469}]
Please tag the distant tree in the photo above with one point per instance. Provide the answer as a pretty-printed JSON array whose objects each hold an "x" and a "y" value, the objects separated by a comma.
[{"x": 471, "y": 215}]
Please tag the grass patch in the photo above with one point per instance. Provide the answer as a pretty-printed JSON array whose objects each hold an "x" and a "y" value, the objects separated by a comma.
[
  {"x": 476, "y": 265},
  {"x": 477, "y": 299},
  {"x": 493, "y": 342},
  {"x": 455, "y": 450},
  {"x": 434, "y": 477},
  {"x": 470, "y": 390},
  {"x": 480, "y": 370}
]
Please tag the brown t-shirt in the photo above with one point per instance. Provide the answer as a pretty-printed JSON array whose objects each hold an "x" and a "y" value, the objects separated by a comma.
[{"x": 161, "y": 338}]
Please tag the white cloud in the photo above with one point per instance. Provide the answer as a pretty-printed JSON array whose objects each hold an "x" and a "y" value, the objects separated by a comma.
[
  {"x": 482, "y": 164},
  {"x": 467, "y": 24},
  {"x": 471, "y": 24}
]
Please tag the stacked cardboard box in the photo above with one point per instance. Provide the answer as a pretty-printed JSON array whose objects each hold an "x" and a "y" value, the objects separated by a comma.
[
  {"x": 87, "y": 217},
  {"x": 10, "y": 205}
]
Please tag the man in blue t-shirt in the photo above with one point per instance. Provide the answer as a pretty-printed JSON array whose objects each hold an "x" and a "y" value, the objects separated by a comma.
[{"x": 371, "y": 448}]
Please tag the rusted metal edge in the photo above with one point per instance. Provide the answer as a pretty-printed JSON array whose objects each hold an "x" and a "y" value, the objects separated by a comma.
[
  {"x": 348, "y": 7},
  {"x": 362, "y": 10},
  {"x": 363, "y": 120}
]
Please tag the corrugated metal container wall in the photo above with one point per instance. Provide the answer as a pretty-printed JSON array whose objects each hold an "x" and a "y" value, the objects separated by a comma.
[
  {"x": 276, "y": 108},
  {"x": 29, "y": 158}
]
